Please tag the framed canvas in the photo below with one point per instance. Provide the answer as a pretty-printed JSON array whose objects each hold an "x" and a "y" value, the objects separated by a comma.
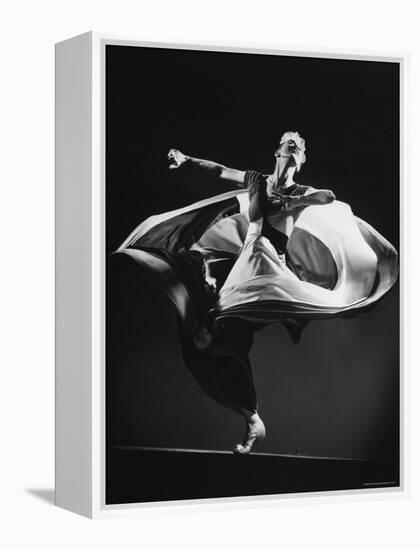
[{"x": 229, "y": 306}]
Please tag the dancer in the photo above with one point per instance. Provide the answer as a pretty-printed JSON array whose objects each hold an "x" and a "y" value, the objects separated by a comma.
[
  {"x": 271, "y": 251},
  {"x": 275, "y": 203}
]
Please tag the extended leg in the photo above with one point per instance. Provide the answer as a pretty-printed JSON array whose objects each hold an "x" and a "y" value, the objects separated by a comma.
[
  {"x": 236, "y": 337},
  {"x": 221, "y": 365}
]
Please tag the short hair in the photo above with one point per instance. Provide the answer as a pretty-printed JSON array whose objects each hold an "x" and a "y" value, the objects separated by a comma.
[
  {"x": 298, "y": 139},
  {"x": 300, "y": 145}
]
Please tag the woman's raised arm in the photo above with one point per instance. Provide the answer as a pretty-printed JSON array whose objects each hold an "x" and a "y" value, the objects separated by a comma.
[{"x": 178, "y": 160}]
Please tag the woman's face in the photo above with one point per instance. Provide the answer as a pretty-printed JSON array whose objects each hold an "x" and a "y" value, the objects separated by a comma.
[
  {"x": 291, "y": 148},
  {"x": 286, "y": 148}
]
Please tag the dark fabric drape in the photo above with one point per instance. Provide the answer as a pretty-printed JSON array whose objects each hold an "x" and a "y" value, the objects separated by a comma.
[{"x": 223, "y": 370}]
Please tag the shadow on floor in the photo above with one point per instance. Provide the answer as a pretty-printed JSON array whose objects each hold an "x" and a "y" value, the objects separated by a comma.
[{"x": 47, "y": 495}]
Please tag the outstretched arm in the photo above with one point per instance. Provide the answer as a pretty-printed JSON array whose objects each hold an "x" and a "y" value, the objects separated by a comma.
[
  {"x": 317, "y": 196},
  {"x": 178, "y": 160},
  {"x": 311, "y": 197}
]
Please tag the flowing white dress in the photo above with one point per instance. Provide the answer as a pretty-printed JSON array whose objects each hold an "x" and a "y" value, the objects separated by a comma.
[{"x": 336, "y": 263}]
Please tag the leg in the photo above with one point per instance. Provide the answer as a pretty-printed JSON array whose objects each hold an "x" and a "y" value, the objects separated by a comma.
[
  {"x": 224, "y": 349},
  {"x": 237, "y": 337},
  {"x": 222, "y": 368}
]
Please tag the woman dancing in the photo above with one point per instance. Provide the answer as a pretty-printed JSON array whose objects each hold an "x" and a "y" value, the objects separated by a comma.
[
  {"x": 272, "y": 251},
  {"x": 275, "y": 203}
]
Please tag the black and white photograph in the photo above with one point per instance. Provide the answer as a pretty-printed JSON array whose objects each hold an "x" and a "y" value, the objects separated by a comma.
[{"x": 252, "y": 263}]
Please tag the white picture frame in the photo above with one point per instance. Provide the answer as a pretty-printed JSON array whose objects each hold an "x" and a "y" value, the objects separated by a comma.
[{"x": 80, "y": 276}]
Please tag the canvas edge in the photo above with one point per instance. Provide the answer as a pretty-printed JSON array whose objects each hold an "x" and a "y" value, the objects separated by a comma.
[
  {"x": 73, "y": 253},
  {"x": 99, "y": 509}
]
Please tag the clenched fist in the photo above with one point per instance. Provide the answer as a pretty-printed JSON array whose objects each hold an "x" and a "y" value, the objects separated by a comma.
[{"x": 176, "y": 159}]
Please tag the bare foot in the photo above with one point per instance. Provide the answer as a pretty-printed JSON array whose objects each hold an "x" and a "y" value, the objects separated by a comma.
[{"x": 255, "y": 431}]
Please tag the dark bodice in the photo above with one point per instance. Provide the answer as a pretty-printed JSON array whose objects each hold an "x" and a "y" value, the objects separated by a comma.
[{"x": 257, "y": 185}]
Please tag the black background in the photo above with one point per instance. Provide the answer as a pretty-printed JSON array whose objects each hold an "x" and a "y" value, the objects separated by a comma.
[{"x": 336, "y": 393}]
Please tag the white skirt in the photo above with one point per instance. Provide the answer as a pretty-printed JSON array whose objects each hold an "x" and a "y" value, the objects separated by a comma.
[
  {"x": 336, "y": 262},
  {"x": 260, "y": 274}
]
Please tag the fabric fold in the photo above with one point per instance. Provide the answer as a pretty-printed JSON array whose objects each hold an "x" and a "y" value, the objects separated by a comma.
[{"x": 218, "y": 271}]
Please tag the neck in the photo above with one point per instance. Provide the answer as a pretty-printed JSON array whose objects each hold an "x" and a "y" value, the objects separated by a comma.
[{"x": 283, "y": 173}]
